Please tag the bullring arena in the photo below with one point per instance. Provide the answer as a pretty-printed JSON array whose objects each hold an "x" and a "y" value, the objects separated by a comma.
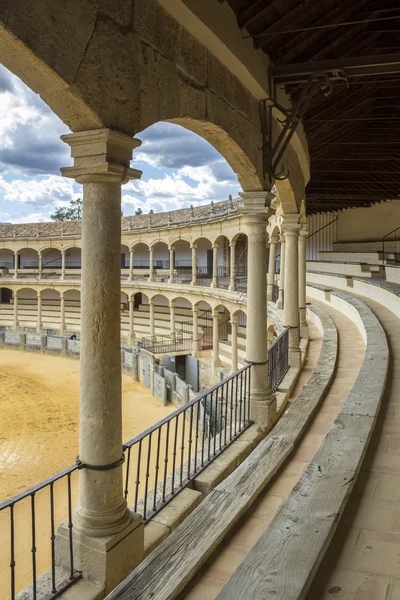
[{"x": 202, "y": 403}]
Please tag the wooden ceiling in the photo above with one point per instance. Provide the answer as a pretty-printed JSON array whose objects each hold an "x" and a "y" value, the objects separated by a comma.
[{"x": 354, "y": 133}]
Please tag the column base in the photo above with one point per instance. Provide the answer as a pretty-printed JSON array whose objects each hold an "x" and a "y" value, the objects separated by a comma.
[
  {"x": 263, "y": 408},
  {"x": 294, "y": 357},
  {"x": 105, "y": 561},
  {"x": 216, "y": 362},
  {"x": 279, "y": 303},
  {"x": 304, "y": 331},
  {"x": 193, "y": 283}
]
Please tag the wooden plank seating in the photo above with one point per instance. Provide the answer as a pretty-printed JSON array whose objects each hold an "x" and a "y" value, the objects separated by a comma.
[
  {"x": 166, "y": 572},
  {"x": 306, "y": 521}
]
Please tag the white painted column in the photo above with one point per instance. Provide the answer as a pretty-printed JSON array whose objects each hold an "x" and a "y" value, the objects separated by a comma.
[
  {"x": 40, "y": 265},
  {"x": 16, "y": 254},
  {"x": 15, "y": 310},
  {"x": 151, "y": 317},
  {"x": 256, "y": 211},
  {"x": 291, "y": 307},
  {"x": 172, "y": 318},
  {"x": 215, "y": 352},
  {"x": 131, "y": 335},
  {"x": 62, "y": 265},
  {"x": 215, "y": 266},
  {"x": 102, "y": 165},
  {"x": 62, "y": 313},
  {"x": 302, "y": 280},
  {"x": 271, "y": 266},
  {"x": 232, "y": 270},
  {"x": 234, "y": 326},
  {"x": 39, "y": 313},
  {"x": 282, "y": 273},
  {"x": 171, "y": 264},
  {"x": 194, "y": 265},
  {"x": 196, "y": 341},
  {"x": 151, "y": 259},
  {"x": 130, "y": 276}
]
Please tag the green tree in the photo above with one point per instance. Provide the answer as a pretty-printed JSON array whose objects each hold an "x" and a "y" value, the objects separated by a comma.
[
  {"x": 138, "y": 211},
  {"x": 73, "y": 212}
]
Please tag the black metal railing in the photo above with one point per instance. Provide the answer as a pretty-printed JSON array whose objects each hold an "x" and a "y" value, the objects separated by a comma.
[
  {"x": 164, "y": 458},
  {"x": 32, "y": 543},
  {"x": 275, "y": 292},
  {"x": 183, "y": 264},
  {"x": 278, "y": 359},
  {"x": 165, "y": 344},
  {"x": 394, "y": 239}
]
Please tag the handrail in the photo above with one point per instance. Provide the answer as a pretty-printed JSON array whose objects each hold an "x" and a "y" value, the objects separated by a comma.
[
  {"x": 395, "y": 244},
  {"x": 321, "y": 228}
]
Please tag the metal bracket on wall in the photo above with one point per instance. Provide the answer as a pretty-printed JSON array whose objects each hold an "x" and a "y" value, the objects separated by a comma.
[{"x": 317, "y": 83}]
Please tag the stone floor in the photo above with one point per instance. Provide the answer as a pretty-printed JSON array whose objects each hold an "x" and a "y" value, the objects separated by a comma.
[
  {"x": 363, "y": 560},
  {"x": 351, "y": 354}
]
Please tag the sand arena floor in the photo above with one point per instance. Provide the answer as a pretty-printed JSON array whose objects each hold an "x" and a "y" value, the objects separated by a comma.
[{"x": 39, "y": 420}]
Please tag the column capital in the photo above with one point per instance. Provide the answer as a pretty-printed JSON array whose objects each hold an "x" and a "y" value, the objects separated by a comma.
[
  {"x": 234, "y": 319},
  {"x": 101, "y": 155},
  {"x": 232, "y": 244},
  {"x": 172, "y": 303},
  {"x": 290, "y": 223},
  {"x": 215, "y": 312},
  {"x": 256, "y": 203},
  {"x": 273, "y": 239},
  {"x": 215, "y": 245},
  {"x": 193, "y": 246},
  {"x": 195, "y": 309},
  {"x": 304, "y": 232},
  {"x": 171, "y": 248}
]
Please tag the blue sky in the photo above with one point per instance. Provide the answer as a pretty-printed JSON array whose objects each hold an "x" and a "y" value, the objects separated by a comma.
[{"x": 179, "y": 168}]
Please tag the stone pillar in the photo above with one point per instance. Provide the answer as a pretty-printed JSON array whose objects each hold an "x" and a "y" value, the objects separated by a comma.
[
  {"x": 171, "y": 264},
  {"x": 62, "y": 313},
  {"x": 282, "y": 273},
  {"x": 15, "y": 310},
  {"x": 271, "y": 265},
  {"x": 234, "y": 325},
  {"x": 130, "y": 276},
  {"x": 40, "y": 265},
  {"x": 215, "y": 266},
  {"x": 215, "y": 352},
  {"x": 232, "y": 270},
  {"x": 196, "y": 341},
  {"x": 39, "y": 312},
  {"x": 291, "y": 307},
  {"x": 151, "y": 317},
  {"x": 62, "y": 265},
  {"x": 151, "y": 259},
  {"x": 131, "y": 335},
  {"x": 16, "y": 254},
  {"x": 172, "y": 318},
  {"x": 302, "y": 281},
  {"x": 194, "y": 265},
  {"x": 108, "y": 537},
  {"x": 256, "y": 211}
]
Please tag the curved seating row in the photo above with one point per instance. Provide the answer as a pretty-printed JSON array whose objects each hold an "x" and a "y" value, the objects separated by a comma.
[
  {"x": 170, "y": 568},
  {"x": 306, "y": 521}
]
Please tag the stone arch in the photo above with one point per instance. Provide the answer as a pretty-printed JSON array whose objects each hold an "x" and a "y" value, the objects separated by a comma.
[
  {"x": 160, "y": 255},
  {"x": 204, "y": 260},
  {"x": 141, "y": 255},
  {"x": 6, "y": 258},
  {"x": 182, "y": 302},
  {"x": 6, "y": 295},
  {"x": 125, "y": 256},
  {"x": 28, "y": 258},
  {"x": 182, "y": 255},
  {"x": 51, "y": 258}
]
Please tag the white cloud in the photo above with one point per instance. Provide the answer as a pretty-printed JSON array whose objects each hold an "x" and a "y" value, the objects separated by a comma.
[
  {"x": 31, "y": 218},
  {"x": 48, "y": 191}
]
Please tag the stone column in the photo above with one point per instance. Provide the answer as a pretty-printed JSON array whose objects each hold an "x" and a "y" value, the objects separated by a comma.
[
  {"x": 291, "y": 307},
  {"x": 16, "y": 254},
  {"x": 62, "y": 265},
  {"x": 15, "y": 310},
  {"x": 130, "y": 276},
  {"x": 256, "y": 211},
  {"x": 234, "y": 325},
  {"x": 215, "y": 266},
  {"x": 172, "y": 318},
  {"x": 171, "y": 264},
  {"x": 271, "y": 265},
  {"x": 282, "y": 273},
  {"x": 194, "y": 265},
  {"x": 151, "y": 259},
  {"x": 107, "y": 535},
  {"x": 232, "y": 270},
  {"x": 196, "y": 341},
  {"x": 215, "y": 352},
  {"x": 39, "y": 312},
  {"x": 302, "y": 280},
  {"x": 131, "y": 335},
  {"x": 151, "y": 317},
  {"x": 40, "y": 264},
  {"x": 62, "y": 314}
]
